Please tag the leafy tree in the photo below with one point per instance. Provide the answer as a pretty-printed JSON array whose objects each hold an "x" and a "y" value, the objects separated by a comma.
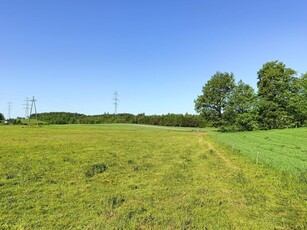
[
  {"x": 241, "y": 112},
  {"x": 298, "y": 101},
  {"x": 275, "y": 83},
  {"x": 2, "y": 118},
  {"x": 215, "y": 98}
]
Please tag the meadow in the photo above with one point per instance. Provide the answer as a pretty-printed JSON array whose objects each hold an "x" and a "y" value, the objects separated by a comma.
[
  {"x": 285, "y": 149},
  {"x": 140, "y": 177}
]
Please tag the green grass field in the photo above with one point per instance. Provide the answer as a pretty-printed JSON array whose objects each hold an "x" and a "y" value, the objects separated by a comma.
[
  {"x": 282, "y": 149},
  {"x": 139, "y": 177}
]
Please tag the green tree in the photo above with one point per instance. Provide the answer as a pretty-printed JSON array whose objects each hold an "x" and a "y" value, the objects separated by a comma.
[
  {"x": 241, "y": 111},
  {"x": 2, "y": 118},
  {"x": 215, "y": 98},
  {"x": 275, "y": 83},
  {"x": 298, "y": 101}
]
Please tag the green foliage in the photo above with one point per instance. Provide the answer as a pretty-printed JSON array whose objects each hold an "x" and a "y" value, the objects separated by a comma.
[
  {"x": 214, "y": 100},
  {"x": 275, "y": 89},
  {"x": 178, "y": 120},
  {"x": 246, "y": 121},
  {"x": 2, "y": 118},
  {"x": 240, "y": 114},
  {"x": 243, "y": 122},
  {"x": 228, "y": 105},
  {"x": 13, "y": 121},
  {"x": 281, "y": 101},
  {"x": 298, "y": 101}
]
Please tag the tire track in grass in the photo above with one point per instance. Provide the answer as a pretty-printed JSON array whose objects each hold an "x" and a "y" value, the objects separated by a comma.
[
  {"x": 202, "y": 138},
  {"x": 257, "y": 194}
]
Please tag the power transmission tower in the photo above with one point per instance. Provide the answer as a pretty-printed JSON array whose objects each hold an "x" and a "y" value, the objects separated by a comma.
[
  {"x": 33, "y": 104},
  {"x": 26, "y": 108},
  {"x": 116, "y": 100},
  {"x": 9, "y": 111}
]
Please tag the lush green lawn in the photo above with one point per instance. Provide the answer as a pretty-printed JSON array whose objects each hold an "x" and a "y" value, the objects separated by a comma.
[
  {"x": 282, "y": 149},
  {"x": 136, "y": 177}
]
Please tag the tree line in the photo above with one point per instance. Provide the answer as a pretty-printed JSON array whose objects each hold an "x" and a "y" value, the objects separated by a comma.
[
  {"x": 179, "y": 120},
  {"x": 2, "y": 118},
  {"x": 281, "y": 100}
]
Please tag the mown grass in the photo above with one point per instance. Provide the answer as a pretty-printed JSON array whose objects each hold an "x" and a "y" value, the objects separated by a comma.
[
  {"x": 285, "y": 149},
  {"x": 136, "y": 177}
]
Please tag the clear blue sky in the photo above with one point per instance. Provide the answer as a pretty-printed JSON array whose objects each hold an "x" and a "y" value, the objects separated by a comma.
[{"x": 72, "y": 55}]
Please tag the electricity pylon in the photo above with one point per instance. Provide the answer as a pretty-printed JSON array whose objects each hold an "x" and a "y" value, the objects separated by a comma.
[
  {"x": 116, "y": 100},
  {"x": 33, "y": 104}
]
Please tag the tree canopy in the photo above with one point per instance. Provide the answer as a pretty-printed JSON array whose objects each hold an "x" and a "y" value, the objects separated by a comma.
[
  {"x": 215, "y": 98},
  {"x": 281, "y": 100},
  {"x": 1, "y": 117},
  {"x": 275, "y": 90},
  {"x": 241, "y": 111}
]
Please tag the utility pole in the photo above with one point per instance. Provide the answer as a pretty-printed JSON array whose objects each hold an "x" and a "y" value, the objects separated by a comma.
[
  {"x": 116, "y": 100},
  {"x": 33, "y": 104}
]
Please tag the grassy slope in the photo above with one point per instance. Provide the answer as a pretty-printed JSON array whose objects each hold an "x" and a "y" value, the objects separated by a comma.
[
  {"x": 282, "y": 149},
  {"x": 156, "y": 178}
]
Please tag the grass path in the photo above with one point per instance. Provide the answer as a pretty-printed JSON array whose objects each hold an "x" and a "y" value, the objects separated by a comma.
[
  {"x": 263, "y": 192},
  {"x": 52, "y": 177},
  {"x": 219, "y": 153}
]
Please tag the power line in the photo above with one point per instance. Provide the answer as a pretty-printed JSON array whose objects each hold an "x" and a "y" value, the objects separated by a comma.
[
  {"x": 33, "y": 104},
  {"x": 116, "y": 100}
]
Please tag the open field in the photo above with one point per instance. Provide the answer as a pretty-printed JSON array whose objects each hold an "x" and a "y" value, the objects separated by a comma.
[
  {"x": 136, "y": 177},
  {"x": 282, "y": 149}
]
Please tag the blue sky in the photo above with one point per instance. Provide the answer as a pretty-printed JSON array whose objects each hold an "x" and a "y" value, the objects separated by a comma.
[{"x": 72, "y": 55}]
